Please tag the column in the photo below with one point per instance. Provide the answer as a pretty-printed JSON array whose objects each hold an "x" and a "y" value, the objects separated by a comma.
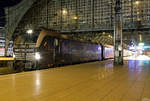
[{"x": 118, "y": 45}]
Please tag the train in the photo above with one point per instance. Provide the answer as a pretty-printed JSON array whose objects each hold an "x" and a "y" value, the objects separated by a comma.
[{"x": 54, "y": 50}]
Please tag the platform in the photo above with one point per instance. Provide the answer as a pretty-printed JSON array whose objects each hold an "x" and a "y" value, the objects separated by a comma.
[{"x": 96, "y": 81}]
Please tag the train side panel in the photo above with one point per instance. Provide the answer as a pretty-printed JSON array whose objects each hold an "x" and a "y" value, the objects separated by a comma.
[
  {"x": 76, "y": 52},
  {"x": 57, "y": 51}
]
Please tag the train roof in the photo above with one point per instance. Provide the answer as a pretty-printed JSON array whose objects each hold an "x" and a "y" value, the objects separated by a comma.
[
  {"x": 45, "y": 32},
  {"x": 52, "y": 33}
]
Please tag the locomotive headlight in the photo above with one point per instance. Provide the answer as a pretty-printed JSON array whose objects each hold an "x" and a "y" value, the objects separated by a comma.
[
  {"x": 37, "y": 56},
  {"x": 14, "y": 56}
]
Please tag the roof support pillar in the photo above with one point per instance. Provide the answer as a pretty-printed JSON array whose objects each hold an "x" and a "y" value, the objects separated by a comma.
[{"x": 118, "y": 44}]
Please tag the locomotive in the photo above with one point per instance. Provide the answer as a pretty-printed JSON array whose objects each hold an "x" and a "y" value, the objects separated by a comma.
[{"x": 55, "y": 49}]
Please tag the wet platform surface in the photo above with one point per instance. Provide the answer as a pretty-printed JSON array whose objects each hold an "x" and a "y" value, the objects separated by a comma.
[{"x": 97, "y": 81}]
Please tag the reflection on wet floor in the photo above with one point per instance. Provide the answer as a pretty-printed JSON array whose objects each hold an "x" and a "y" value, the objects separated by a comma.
[
  {"x": 96, "y": 81},
  {"x": 138, "y": 64}
]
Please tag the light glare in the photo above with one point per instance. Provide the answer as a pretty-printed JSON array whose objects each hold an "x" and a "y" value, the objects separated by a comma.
[
  {"x": 137, "y": 2},
  {"x": 37, "y": 56},
  {"x": 141, "y": 44},
  {"x": 75, "y": 17},
  {"x": 64, "y": 12},
  {"x": 30, "y": 31},
  {"x": 139, "y": 57}
]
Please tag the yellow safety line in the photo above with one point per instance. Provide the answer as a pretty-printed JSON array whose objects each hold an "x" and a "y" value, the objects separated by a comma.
[{"x": 6, "y": 58}]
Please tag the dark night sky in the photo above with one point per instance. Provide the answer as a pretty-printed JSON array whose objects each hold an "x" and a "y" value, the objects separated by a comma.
[{"x": 3, "y": 4}]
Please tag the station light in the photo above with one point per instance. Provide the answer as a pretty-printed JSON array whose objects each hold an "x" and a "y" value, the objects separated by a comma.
[
  {"x": 64, "y": 12},
  {"x": 75, "y": 17},
  {"x": 119, "y": 47},
  {"x": 141, "y": 44},
  {"x": 110, "y": 36},
  {"x": 138, "y": 19},
  {"x": 137, "y": 2},
  {"x": 30, "y": 31},
  {"x": 37, "y": 56}
]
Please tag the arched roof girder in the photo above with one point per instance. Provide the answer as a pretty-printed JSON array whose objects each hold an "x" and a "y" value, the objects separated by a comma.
[{"x": 15, "y": 14}]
